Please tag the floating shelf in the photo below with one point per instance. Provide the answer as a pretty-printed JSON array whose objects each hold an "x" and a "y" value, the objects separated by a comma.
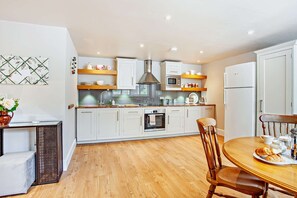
[
  {"x": 194, "y": 89},
  {"x": 95, "y": 87},
  {"x": 98, "y": 72},
  {"x": 198, "y": 77}
]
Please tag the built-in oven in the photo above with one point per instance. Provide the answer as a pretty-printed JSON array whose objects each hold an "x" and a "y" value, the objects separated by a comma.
[
  {"x": 173, "y": 81},
  {"x": 154, "y": 120}
]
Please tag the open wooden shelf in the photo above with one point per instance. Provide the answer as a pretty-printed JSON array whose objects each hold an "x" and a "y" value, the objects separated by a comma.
[
  {"x": 98, "y": 72},
  {"x": 198, "y": 77},
  {"x": 95, "y": 87},
  {"x": 194, "y": 89}
]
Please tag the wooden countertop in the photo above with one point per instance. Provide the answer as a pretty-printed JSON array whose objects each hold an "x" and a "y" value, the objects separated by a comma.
[{"x": 136, "y": 106}]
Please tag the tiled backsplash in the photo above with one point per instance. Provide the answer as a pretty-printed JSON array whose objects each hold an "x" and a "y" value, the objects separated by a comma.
[{"x": 143, "y": 94}]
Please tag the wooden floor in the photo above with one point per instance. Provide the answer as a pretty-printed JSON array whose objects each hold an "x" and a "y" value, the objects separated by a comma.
[{"x": 168, "y": 167}]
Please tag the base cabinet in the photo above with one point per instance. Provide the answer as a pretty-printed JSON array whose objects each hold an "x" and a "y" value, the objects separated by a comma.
[
  {"x": 86, "y": 124},
  {"x": 114, "y": 124},
  {"x": 191, "y": 115},
  {"x": 132, "y": 122},
  {"x": 108, "y": 123},
  {"x": 175, "y": 120}
]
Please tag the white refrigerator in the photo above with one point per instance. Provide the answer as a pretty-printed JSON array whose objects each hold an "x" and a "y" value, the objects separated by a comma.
[{"x": 240, "y": 100}]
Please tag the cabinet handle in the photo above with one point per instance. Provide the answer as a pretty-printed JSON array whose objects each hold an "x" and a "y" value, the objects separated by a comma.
[
  {"x": 86, "y": 112},
  {"x": 132, "y": 81},
  {"x": 261, "y": 106},
  {"x": 175, "y": 110},
  {"x": 117, "y": 115},
  {"x": 132, "y": 111},
  {"x": 168, "y": 120},
  {"x": 140, "y": 120},
  {"x": 187, "y": 113}
]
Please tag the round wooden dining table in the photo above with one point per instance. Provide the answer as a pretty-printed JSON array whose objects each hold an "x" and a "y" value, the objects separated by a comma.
[{"x": 240, "y": 152}]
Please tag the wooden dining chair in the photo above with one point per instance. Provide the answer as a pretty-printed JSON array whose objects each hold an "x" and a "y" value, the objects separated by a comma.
[
  {"x": 277, "y": 125},
  {"x": 220, "y": 175}
]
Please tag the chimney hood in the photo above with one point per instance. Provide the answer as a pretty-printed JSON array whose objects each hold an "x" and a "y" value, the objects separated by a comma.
[{"x": 148, "y": 78}]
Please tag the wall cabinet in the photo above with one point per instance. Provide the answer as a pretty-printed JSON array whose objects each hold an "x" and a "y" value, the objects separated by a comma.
[
  {"x": 275, "y": 79},
  {"x": 86, "y": 124},
  {"x": 132, "y": 122},
  {"x": 126, "y": 73},
  {"x": 171, "y": 68},
  {"x": 175, "y": 120}
]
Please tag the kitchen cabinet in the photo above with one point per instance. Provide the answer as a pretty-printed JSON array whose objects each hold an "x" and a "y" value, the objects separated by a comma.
[
  {"x": 191, "y": 115},
  {"x": 86, "y": 124},
  {"x": 175, "y": 120},
  {"x": 132, "y": 122},
  {"x": 171, "y": 68},
  {"x": 275, "y": 80},
  {"x": 208, "y": 111},
  {"x": 126, "y": 73},
  {"x": 108, "y": 123}
]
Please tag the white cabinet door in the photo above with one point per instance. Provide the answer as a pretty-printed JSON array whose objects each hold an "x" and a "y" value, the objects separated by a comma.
[
  {"x": 131, "y": 122},
  {"x": 274, "y": 86},
  {"x": 86, "y": 124},
  {"x": 108, "y": 123},
  {"x": 175, "y": 119},
  {"x": 191, "y": 115},
  {"x": 207, "y": 112},
  {"x": 126, "y": 77}
]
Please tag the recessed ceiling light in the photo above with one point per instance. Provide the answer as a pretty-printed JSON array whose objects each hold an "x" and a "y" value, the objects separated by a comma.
[
  {"x": 201, "y": 52},
  {"x": 173, "y": 49},
  {"x": 198, "y": 61},
  {"x": 98, "y": 53},
  {"x": 251, "y": 32},
  {"x": 141, "y": 45},
  {"x": 168, "y": 17}
]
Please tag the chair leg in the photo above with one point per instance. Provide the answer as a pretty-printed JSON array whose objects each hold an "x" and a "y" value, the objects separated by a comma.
[
  {"x": 211, "y": 191},
  {"x": 266, "y": 191}
]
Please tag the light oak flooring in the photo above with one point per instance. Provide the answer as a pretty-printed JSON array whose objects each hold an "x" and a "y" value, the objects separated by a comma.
[{"x": 168, "y": 167}]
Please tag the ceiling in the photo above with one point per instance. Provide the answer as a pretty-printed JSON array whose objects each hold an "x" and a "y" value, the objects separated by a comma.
[{"x": 118, "y": 27}]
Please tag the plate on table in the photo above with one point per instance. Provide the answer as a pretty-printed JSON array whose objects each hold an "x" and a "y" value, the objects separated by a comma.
[
  {"x": 195, "y": 97},
  {"x": 286, "y": 161}
]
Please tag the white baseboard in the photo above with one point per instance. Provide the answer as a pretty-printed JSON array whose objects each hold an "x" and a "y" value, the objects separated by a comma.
[
  {"x": 67, "y": 160},
  {"x": 220, "y": 132}
]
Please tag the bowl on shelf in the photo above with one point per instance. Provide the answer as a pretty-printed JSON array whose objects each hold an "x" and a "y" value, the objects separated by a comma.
[
  {"x": 99, "y": 67},
  {"x": 100, "y": 82},
  {"x": 192, "y": 72}
]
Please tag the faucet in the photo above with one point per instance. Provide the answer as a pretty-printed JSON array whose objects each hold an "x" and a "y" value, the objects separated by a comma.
[{"x": 101, "y": 97}]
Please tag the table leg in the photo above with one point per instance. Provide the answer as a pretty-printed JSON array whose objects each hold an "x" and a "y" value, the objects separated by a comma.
[{"x": 1, "y": 142}]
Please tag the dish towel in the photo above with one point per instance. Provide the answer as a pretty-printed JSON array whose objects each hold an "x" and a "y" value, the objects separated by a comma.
[{"x": 152, "y": 120}]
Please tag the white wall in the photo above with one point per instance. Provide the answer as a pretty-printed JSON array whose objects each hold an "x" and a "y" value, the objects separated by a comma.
[
  {"x": 39, "y": 102},
  {"x": 215, "y": 81}
]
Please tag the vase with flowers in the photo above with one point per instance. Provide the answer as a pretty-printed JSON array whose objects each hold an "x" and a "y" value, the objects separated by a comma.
[{"x": 7, "y": 107}]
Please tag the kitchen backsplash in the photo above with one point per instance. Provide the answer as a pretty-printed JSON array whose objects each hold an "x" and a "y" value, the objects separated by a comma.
[{"x": 143, "y": 95}]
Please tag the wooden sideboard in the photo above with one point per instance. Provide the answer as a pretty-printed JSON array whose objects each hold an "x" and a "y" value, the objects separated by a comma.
[{"x": 49, "y": 149}]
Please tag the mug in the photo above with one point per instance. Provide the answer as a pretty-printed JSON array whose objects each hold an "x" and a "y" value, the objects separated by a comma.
[{"x": 267, "y": 139}]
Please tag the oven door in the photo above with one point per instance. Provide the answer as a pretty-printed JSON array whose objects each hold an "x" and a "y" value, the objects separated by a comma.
[{"x": 154, "y": 122}]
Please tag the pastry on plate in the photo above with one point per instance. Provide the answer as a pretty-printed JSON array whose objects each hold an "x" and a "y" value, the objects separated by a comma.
[
  {"x": 263, "y": 152},
  {"x": 274, "y": 158}
]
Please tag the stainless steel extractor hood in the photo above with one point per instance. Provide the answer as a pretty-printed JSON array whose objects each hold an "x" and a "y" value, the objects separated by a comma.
[{"x": 148, "y": 77}]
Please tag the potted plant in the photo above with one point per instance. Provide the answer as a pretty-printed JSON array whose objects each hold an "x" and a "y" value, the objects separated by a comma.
[{"x": 7, "y": 105}]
